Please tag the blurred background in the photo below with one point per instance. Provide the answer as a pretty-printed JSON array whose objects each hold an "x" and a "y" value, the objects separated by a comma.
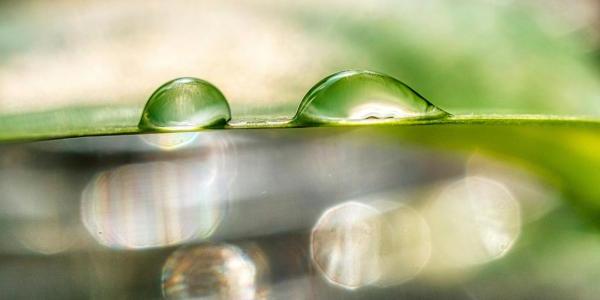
[
  {"x": 469, "y": 211},
  {"x": 467, "y": 56}
]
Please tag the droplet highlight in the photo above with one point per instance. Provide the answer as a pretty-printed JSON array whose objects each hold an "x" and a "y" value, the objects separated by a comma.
[
  {"x": 185, "y": 104},
  {"x": 362, "y": 96}
]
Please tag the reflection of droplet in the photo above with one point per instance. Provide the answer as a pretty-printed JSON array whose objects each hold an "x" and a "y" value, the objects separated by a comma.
[
  {"x": 210, "y": 272},
  {"x": 169, "y": 141},
  {"x": 356, "y": 244},
  {"x": 362, "y": 96},
  {"x": 185, "y": 104},
  {"x": 473, "y": 221},
  {"x": 151, "y": 204}
]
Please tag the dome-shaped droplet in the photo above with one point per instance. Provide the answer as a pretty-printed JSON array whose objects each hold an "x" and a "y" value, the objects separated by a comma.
[
  {"x": 185, "y": 104},
  {"x": 363, "y": 96}
]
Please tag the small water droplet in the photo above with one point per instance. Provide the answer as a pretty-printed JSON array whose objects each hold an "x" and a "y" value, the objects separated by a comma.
[
  {"x": 185, "y": 104},
  {"x": 363, "y": 96}
]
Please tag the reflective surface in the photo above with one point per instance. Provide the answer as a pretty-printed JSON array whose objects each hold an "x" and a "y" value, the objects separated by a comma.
[{"x": 306, "y": 213}]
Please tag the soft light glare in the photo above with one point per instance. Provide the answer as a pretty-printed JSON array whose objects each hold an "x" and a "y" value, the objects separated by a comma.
[
  {"x": 48, "y": 237},
  {"x": 151, "y": 204},
  {"x": 474, "y": 221},
  {"x": 356, "y": 244},
  {"x": 169, "y": 141},
  {"x": 345, "y": 244}
]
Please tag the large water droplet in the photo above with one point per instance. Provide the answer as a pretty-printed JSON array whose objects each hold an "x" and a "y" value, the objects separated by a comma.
[
  {"x": 363, "y": 96},
  {"x": 185, "y": 104}
]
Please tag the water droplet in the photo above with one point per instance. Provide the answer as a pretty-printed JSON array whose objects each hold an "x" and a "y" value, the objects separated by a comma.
[
  {"x": 363, "y": 96},
  {"x": 185, "y": 104}
]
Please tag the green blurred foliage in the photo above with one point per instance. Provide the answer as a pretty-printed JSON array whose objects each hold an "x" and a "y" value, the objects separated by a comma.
[{"x": 468, "y": 56}]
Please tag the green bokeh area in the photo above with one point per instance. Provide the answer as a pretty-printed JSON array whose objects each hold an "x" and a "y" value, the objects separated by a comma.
[
  {"x": 464, "y": 56},
  {"x": 472, "y": 56}
]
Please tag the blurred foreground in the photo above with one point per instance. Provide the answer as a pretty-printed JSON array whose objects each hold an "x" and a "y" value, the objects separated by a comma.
[{"x": 323, "y": 213}]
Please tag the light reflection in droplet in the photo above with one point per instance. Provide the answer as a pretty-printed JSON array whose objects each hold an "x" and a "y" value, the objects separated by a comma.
[
  {"x": 473, "y": 221},
  {"x": 375, "y": 110},
  {"x": 221, "y": 271},
  {"x": 152, "y": 204},
  {"x": 169, "y": 141},
  {"x": 356, "y": 244}
]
